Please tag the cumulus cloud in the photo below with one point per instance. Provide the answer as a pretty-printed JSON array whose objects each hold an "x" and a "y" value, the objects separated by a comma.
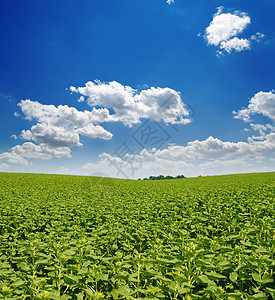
[
  {"x": 65, "y": 116},
  {"x": 130, "y": 106},
  {"x": 224, "y": 29},
  {"x": 41, "y": 151},
  {"x": 235, "y": 44},
  {"x": 209, "y": 156},
  {"x": 12, "y": 158},
  {"x": 19, "y": 154},
  {"x": 170, "y": 1},
  {"x": 225, "y": 26},
  {"x": 262, "y": 103},
  {"x": 213, "y": 148},
  {"x": 262, "y": 128},
  {"x": 153, "y": 163},
  {"x": 54, "y": 136},
  {"x": 59, "y": 128},
  {"x": 110, "y": 166},
  {"x": 233, "y": 166}
]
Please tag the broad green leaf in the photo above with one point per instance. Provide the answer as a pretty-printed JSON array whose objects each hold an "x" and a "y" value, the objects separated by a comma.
[
  {"x": 233, "y": 276},
  {"x": 215, "y": 275}
]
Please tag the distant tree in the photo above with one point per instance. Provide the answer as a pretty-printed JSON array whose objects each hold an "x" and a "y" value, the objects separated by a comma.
[{"x": 162, "y": 177}]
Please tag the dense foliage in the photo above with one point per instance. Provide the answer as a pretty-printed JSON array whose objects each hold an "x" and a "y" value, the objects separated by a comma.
[
  {"x": 162, "y": 177},
  {"x": 72, "y": 237}
]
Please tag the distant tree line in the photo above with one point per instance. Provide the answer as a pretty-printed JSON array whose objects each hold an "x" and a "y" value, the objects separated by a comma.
[{"x": 162, "y": 177}]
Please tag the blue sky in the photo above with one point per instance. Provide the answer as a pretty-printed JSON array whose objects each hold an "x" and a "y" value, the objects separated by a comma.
[{"x": 80, "y": 80}]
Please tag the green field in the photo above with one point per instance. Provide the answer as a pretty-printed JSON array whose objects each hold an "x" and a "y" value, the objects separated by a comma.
[{"x": 73, "y": 237}]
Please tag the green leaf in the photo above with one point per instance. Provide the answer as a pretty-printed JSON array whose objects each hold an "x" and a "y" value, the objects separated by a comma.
[
  {"x": 162, "y": 278},
  {"x": 215, "y": 275},
  {"x": 266, "y": 279},
  {"x": 18, "y": 283},
  {"x": 224, "y": 264},
  {"x": 124, "y": 290},
  {"x": 188, "y": 285},
  {"x": 71, "y": 278},
  {"x": 42, "y": 262},
  {"x": 207, "y": 280},
  {"x": 259, "y": 296},
  {"x": 232, "y": 296},
  {"x": 271, "y": 291},
  {"x": 256, "y": 277},
  {"x": 233, "y": 276}
]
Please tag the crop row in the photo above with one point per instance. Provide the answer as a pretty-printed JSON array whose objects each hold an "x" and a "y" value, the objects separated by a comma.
[{"x": 70, "y": 237}]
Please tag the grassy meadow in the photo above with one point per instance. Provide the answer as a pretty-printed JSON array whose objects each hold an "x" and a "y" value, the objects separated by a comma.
[{"x": 75, "y": 237}]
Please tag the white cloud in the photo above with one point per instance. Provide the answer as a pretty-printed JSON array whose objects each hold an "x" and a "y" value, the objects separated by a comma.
[
  {"x": 235, "y": 44},
  {"x": 59, "y": 128},
  {"x": 261, "y": 127},
  {"x": 54, "y": 136},
  {"x": 130, "y": 106},
  {"x": 110, "y": 166},
  {"x": 210, "y": 156},
  {"x": 94, "y": 131},
  {"x": 81, "y": 99},
  {"x": 215, "y": 164},
  {"x": 63, "y": 170},
  {"x": 42, "y": 151},
  {"x": 19, "y": 153},
  {"x": 213, "y": 148},
  {"x": 62, "y": 125},
  {"x": 4, "y": 167},
  {"x": 153, "y": 163},
  {"x": 206, "y": 157},
  {"x": 58, "y": 136},
  {"x": 224, "y": 29},
  {"x": 263, "y": 130},
  {"x": 57, "y": 131},
  {"x": 170, "y": 1},
  {"x": 262, "y": 103},
  {"x": 234, "y": 166},
  {"x": 225, "y": 26},
  {"x": 62, "y": 115},
  {"x": 257, "y": 37},
  {"x": 11, "y": 158}
]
